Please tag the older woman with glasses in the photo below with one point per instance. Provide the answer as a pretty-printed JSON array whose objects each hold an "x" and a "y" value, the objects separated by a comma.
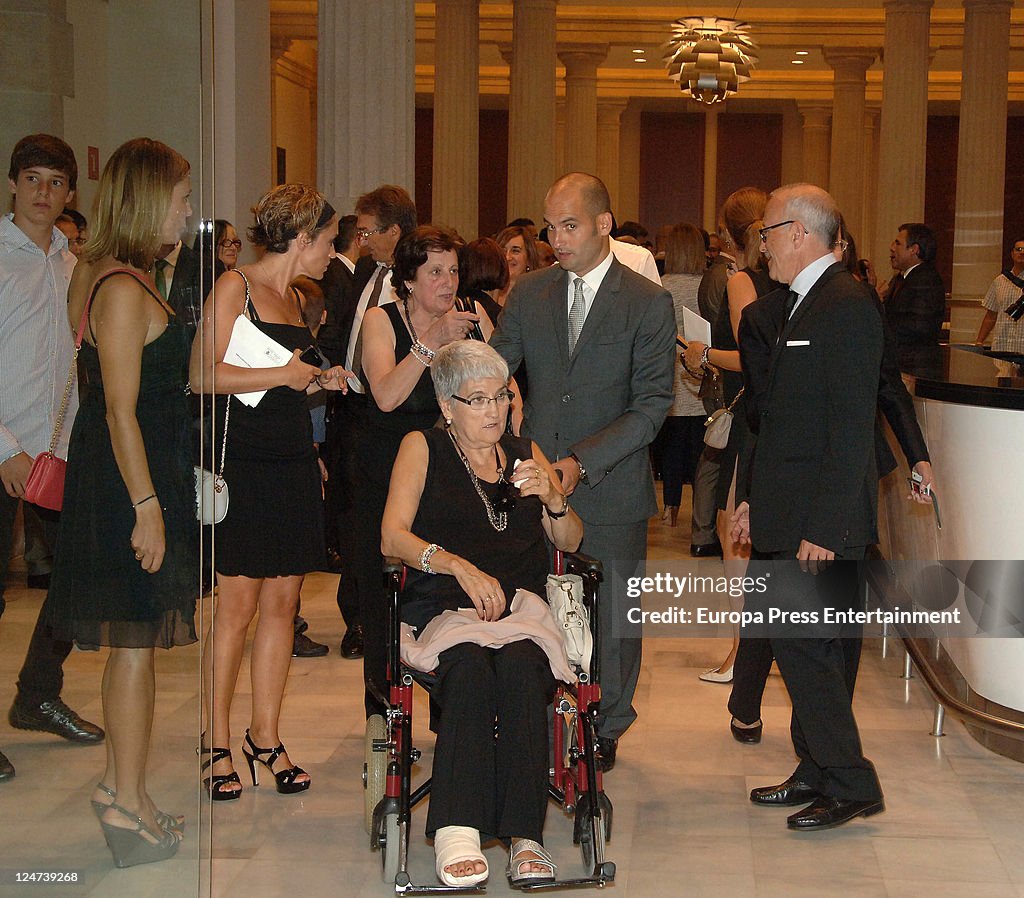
[{"x": 469, "y": 511}]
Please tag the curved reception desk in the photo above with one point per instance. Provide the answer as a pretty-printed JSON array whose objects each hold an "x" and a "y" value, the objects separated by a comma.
[{"x": 970, "y": 405}]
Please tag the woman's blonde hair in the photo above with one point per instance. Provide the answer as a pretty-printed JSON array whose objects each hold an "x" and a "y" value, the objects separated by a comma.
[
  {"x": 684, "y": 251},
  {"x": 742, "y": 215},
  {"x": 133, "y": 200},
  {"x": 285, "y": 212}
]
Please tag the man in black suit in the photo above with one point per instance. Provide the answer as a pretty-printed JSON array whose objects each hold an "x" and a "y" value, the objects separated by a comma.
[
  {"x": 810, "y": 506},
  {"x": 598, "y": 341},
  {"x": 915, "y": 301},
  {"x": 177, "y": 278}
]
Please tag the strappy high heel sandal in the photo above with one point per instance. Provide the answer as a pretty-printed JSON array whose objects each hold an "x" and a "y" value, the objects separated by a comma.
[
  {"x": 215, "y": 782},
  {"x": 168, "y": 822},
  {"x": 285, "y": 779},
  {"x": 130, "y": 847}
]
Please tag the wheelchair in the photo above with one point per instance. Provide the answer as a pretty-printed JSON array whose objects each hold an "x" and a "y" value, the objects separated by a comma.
[{"x": 575, "y": 780}]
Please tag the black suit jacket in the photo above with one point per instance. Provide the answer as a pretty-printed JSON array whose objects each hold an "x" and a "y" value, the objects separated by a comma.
[
  {"x": 813, "y": 473},
  {"x": 916, "y": 307},
  {"x": 185, "y": 295},
  {"x": 342, "y": 289}
]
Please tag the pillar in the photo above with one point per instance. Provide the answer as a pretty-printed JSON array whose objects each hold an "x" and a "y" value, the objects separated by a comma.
[
  {"x": 628, "y": 207},
  {"x": 279, "y": 45},
  {"x": 609, "y": 118},
  {"x": 367, "y": 98},
  {"x": 815, "y": 143},
  {"x": 531, "y": 114},
  {"x": 846, "y": 165},
  {"x": 981, "y": 153},
  {"x": 457, "y": 116},
  {"x": 37, "y": 72},
  {"x": 581, "y": 62},
  {"x": 865, "y": 237},
  {"x": 710, "y": 203},
  {"x": 792, "y": 144},
  {"x": 904, "y": 124}
]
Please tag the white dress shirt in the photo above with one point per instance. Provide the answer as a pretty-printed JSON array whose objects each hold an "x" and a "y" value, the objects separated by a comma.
[
  {"x": 36, "y": 342},
  {"x": 592, "y": 281},
  {"x": 387, "y": 294},
  {"x": 807, "y": 278},
  {"x": 639, "y": 258}
]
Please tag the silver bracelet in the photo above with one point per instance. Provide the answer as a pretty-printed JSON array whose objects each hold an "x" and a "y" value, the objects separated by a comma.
[
  {"x": 425, "y": 362},
  {"x": 424, "y": 351},
  {"x": 426, "y": 555},
  {"x": 704, "y": 357}
]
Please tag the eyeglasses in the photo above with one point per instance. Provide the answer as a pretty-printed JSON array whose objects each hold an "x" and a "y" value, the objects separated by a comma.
[
  {"x": 479, "y": 403},
  {"x": 363, "y": 234},
  {"x": 763, "y": 232},
  {"x": 1018, "y": 249},
  {"x": 224, "y": 244}
]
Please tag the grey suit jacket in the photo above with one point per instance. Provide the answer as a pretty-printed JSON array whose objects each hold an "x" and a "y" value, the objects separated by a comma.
[{"x": 607, "y": 401}]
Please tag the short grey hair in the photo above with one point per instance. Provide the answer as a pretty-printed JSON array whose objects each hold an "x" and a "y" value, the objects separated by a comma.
[
  {"x": 464, "y": 360},
  {"x": 813, "y": 207}
]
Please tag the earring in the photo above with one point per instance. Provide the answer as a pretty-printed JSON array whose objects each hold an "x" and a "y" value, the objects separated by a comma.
[{"x": 447, "y": 422}]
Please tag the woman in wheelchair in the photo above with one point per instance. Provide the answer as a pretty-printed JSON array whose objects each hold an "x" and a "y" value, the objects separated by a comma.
[{"x": 468, "y": 512}]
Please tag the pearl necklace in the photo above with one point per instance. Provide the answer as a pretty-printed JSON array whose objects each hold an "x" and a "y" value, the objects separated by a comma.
[{"x": 498, "y": 519}]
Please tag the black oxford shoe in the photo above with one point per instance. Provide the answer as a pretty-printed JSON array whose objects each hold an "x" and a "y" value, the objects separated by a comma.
[
  {"x": 6, "y": 769},
  {"x": 606, "y": 750},
  {"x": 54, "y": 717},
  {"x": 352, "y": 642},
  {"x": 827, "y": 812},
  {"x": 792, "y": 791},
  {"x": 746, "y": 735},
  {"x": 708, "y": 550},
  {"x": 304, "y": 647}
]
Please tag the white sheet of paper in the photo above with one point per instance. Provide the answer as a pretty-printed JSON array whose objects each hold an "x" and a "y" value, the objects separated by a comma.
[
  {"x": 696, "y": 328},
  {"x": 249, "y": 347}
]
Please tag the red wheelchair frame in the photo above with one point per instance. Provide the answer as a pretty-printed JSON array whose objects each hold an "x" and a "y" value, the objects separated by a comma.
[{"x": 576, "y": 778}]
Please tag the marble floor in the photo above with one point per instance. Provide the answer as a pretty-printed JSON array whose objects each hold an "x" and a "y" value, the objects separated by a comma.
[{"x": 682, "y": 824}]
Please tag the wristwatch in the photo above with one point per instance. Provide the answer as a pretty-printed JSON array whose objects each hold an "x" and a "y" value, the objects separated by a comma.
[
  {"x": 583, "y": 470},
  {"x": 559, "y": 514}
]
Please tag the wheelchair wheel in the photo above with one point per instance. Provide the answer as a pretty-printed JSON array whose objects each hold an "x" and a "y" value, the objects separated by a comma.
[
  {"x": 588, "y": 834},
  {"x": 390, "y": 850},
  {"x": 375, "y": 768}
]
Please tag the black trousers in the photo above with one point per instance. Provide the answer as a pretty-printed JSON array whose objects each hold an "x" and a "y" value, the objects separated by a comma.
[
  {"x": 683, "y": 437},
  {"x": 42, "y": 674},
  {"x": 491, "y": 756},
  {"x": 749, "y": 675},
  {"x": 343, "y": 431},
  {"x": 820, "y": 672}
]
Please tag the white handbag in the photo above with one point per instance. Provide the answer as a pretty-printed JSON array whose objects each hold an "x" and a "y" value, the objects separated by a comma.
[
  {"x": 719, "y": 424},
  {"x": 565, "y": 599},
  {"x": 212, "y": 488}
]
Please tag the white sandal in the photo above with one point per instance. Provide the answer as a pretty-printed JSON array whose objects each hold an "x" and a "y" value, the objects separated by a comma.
[
  {"x": 456, "y": 845},
  {"x": 517, "y": 878}
]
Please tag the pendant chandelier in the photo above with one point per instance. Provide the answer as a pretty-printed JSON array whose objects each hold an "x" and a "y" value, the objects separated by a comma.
[{"x": 710, "y": 57}]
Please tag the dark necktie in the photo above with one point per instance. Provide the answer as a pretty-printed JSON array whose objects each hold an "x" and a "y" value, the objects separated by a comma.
[
  {"x": 160, "y": 277},
  {"x": 374, "y": 301},
  {"x": 897, "y": 285},
  {"x": 791, "y": 299}
]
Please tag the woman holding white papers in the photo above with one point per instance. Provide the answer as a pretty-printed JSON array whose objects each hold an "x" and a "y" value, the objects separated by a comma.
[{"x": 273, "y": 532}]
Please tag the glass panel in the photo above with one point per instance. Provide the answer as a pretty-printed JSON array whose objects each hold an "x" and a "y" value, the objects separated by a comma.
[{"x": 118, "y": 69}]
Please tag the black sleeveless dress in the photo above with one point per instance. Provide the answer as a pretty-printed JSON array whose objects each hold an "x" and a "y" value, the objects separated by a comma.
[
  {"x": 99, "y": 594},
  {"x": 732, "y": 381},
  {"x": 452, "y": 515},
  {"x": 275, "y": 521}
]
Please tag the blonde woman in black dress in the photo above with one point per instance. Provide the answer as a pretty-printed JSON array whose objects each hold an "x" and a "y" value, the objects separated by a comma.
[{"x": 273, "y": 533}]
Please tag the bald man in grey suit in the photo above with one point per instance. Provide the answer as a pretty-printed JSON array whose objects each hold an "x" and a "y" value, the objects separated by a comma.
[{"x": 598, "y": 340}]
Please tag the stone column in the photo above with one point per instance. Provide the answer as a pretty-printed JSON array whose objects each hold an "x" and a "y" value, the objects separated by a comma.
[
  {"x": 628, "y": 206},
  {"x": 457, "y": 115},
  {"x": 792, "y": 144},
  {"x": 865, "y": 239},
  {"x": 904, "y": 124},
  {"x": 367, "y": 98},
  {"x": 279, "y": 44},
  {"x": 710, "y": 210},
  {"x": 531, "y": 113},
  {"x": 816, "y": 140},
  {"x": 560, "y": 166},
  {"x": 609, "y": 117},
  {"x": 37, "y": 73},
  {"x": 581, "y": 62},
  {"x": 981, "y": 153},
  {"x": 846, "y": 167}
]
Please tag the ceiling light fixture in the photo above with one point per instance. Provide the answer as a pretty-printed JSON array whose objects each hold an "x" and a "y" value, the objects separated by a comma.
[
  {"x": 640, "y": 52},
  {"x": 710, "y": 57},
  {"x": 801, "y": 52}
]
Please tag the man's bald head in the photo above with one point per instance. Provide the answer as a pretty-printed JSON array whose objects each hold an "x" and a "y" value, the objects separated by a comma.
[{"x": 591, "y": 190}]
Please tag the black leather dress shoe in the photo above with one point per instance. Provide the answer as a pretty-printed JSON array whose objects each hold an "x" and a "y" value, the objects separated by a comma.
[
  {"x": 709, "y": 550},
  {"x": 792, "y": 791},
  {"x": 746, "y": 735},
  {"x": 827, "y": 812},
  {"x": 304, "y": 647},
  {"x": 352, "y": 642},
  {"x": 6, "y": 769},
  {"x": 606, "y": 749},
  {"x": 54, "y": 717}
]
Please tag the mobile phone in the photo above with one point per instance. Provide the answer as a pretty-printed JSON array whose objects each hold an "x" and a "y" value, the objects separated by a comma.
[
  {"x": 311, "y": 355},
  {"x": 681, "y": 342},
  {"x": 465, "y": 304},
  {"x": 918, "y": 486}
]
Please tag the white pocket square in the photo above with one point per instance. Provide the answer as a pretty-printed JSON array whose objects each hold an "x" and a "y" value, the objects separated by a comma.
[{"x": 798, "y": 342}]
